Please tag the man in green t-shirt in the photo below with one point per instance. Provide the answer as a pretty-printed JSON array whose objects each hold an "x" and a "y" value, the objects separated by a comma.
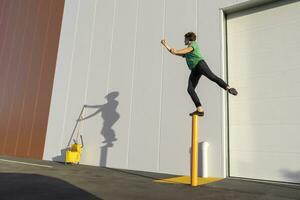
[{"x": 198, "y": 67}]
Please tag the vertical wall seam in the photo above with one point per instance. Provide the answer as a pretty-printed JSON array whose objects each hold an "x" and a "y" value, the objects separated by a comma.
[
  {"x": 90, "y": 52},
  {"x": 20, "y": 120},
  {"x": 39, "y": 82},
  {"x": 5, "y": 83},
  {"x": 111, "y": 47},
  {"x": 2, "y": 47},
  {"x": 222, "y": 94},
  {"x": 2, "y": 10},
  {"x": 225, "y": 96},
  {"x": 197, "y": 17},
  {"x": 17, "y": 74},
  {"x": 6, "y": 24},
  {"x": 161, "y": 88},
  {"x": 70, "y": 73},
  {"x": 29, "y": 65},
  {"x": 132, "y": 83}
]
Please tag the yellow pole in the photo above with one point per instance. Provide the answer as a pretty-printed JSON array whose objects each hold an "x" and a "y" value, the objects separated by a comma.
[{"x": 194, "y": 170}]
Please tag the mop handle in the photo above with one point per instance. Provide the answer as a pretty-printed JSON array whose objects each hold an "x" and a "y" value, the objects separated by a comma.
[
  {"x": 80, "y": 124},
  {"x": 81, "y": 141}
]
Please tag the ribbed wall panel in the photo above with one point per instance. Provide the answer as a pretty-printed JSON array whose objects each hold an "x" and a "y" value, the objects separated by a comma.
[{"x": 29, "y": 37}]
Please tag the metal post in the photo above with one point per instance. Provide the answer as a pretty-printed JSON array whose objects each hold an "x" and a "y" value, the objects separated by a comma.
[{"x": 194, "y": 164}]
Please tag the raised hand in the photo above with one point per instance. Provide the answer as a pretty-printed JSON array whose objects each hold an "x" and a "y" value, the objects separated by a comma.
[{"x": 164, "y": 42}]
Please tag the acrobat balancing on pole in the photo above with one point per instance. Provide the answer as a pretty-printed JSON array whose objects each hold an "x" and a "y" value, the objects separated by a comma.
[{"x": 198, "y": 67}]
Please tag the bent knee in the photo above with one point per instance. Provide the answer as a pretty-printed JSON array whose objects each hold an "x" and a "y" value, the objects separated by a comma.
[{"x": 190, "y": 90}]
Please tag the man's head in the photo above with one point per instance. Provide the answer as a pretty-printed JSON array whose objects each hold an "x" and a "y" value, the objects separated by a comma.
[
  {"x": 189, "y": 37},
  {"x": 112, "y": 96}
]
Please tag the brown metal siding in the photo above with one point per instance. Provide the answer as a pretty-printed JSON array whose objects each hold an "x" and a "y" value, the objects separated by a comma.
[{"x": 29, "y": 36}]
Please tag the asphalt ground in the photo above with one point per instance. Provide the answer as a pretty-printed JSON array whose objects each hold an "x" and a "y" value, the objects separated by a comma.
[{"x": 57, "y": 181}]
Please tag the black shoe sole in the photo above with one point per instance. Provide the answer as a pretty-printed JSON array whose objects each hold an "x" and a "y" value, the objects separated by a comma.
[
  {"x": 201, "y": 114},
  {"x": 233, "y": 91}
]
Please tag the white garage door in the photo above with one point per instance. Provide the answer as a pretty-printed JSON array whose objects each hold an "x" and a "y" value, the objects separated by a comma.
[{"x": 264, "y": 119}]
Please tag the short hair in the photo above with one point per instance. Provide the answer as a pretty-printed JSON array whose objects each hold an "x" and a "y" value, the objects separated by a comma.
[{"x": 190, "y": 36}]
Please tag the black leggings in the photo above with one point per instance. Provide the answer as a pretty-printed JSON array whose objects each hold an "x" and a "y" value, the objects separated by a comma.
[{"x": 202, "y": 69}]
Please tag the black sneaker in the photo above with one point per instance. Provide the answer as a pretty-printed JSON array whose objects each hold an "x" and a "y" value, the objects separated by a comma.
[
  {"x": 233, "y": 91},
  {"x": 197, "y": 113}
]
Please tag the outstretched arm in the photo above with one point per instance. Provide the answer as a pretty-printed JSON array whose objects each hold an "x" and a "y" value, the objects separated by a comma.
[
  {"x": 91, "y": 115},
  {"x": 181, "y": 52},
  {"x": 164, "y": 42}
]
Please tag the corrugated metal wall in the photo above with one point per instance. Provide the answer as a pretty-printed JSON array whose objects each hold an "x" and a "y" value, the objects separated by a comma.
[
  {"x": 112, "y": 47},
  {"x": 29, "y": 39}
]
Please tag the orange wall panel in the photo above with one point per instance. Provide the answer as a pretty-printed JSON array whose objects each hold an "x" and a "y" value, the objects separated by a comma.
[{"x": 29, "y": 38}]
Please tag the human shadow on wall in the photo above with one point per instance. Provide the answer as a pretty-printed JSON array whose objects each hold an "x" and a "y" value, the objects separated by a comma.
[{"x": 110, "y": 117}]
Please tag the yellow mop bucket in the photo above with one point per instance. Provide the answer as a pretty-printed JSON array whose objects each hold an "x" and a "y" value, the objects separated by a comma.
[{"x": 73, "y": 154}]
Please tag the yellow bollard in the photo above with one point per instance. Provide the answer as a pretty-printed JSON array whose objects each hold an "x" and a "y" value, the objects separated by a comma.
[{"x": 194, "y": 164}]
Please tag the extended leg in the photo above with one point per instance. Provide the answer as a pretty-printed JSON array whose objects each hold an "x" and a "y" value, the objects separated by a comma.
[{"x": 211, "y": 76}]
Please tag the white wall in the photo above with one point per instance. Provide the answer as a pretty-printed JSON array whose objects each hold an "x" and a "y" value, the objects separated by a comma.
[{"x": 114, "y": 46}]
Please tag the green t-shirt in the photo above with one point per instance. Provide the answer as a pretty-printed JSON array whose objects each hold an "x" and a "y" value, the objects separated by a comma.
[{"x": 194, "y": 56}]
